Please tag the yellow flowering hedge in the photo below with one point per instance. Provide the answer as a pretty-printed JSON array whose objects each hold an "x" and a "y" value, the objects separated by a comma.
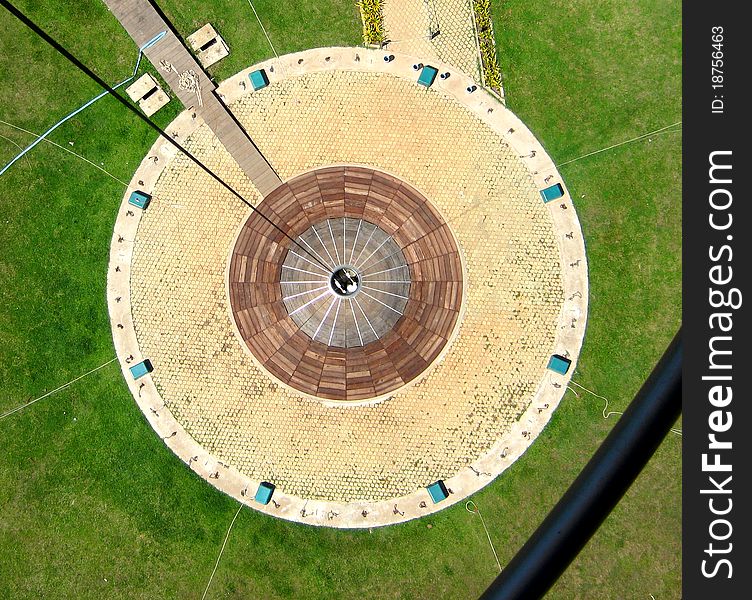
[
  {"x": 491, "y": 70},
  {"x": 373, "y": 21}
]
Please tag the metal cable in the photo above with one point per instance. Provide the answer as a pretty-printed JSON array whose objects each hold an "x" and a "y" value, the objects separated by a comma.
[{"x": 83, "y": 68}]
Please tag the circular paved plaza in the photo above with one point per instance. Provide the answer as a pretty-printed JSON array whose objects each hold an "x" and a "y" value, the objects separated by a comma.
[{"x": 397, "y": 335}]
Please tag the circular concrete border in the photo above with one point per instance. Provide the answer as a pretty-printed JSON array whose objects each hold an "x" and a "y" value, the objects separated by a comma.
[{"x": 571, "y": 321}]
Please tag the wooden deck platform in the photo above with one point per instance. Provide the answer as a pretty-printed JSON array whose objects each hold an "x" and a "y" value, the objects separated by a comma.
[
  {"x": 340, "y": 361},
  {"x": 171, "y": 57}
]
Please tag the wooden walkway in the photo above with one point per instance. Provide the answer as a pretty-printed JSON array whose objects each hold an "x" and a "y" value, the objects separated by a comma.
[{"x": 171, "y": 57}]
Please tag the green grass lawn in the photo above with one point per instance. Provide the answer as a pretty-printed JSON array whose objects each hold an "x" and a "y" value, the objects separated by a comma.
[{"x": 94, "y": 505}]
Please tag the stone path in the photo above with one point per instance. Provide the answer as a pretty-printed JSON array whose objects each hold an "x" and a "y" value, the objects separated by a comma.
[{"x": 441, "y": 30}]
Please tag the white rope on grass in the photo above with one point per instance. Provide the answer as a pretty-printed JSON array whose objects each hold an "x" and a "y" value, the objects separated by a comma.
[
  {"x": 28, "y": 162},
  {"x": 635, "y": 139},
  {"x": 605, "y": 406},
  {"x": 62, "y": 387},
  {"x": 606, "y": 415},
  {"x": 476, "y": 510},
  {"x": 221, "y": 551},
  {"x": 83, "y": 158},
  {"x": 148, "y": 44},
  {"x": 253, "y": 8}
]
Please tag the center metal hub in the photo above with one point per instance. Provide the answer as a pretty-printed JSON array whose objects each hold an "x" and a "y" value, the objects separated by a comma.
[{"x": 345, "y": 282}]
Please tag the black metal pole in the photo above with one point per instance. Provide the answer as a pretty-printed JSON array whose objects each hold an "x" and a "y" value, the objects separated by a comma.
[
  {"x": 599, "y": 486},
  {"x": 99, "y": 81}
]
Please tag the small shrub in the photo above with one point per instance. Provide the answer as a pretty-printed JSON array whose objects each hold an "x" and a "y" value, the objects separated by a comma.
[
  {"x": 373, "y": 21},
  {"x": 491, "y": 71}
]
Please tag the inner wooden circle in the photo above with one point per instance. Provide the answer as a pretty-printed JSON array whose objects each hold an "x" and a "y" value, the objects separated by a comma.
[{"x": 373, "y": 233}]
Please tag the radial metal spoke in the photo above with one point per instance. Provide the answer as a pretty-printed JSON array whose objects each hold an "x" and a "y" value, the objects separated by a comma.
[
  {"x": 365, "y": 287},
  {"x": 334, "y": 325},
  {"x": 365, "y": 246},
  {"x": 387, "y": 270},
  {"x": 323, "y": 262},
  {"x": 334, "y": 264},
  {"x": 344, "y": 239},
  {"x": 301, "y": 270},
  {"x": 355, "y": 243},
  {"x": 380, "y": 302},
  {"x": 309, "y": 303},
  {"x": 334, "y": 242},
  {"x": 376, "y": 335},
  {"x": 381, "y": 281},
  {"x": 360, "y": 337},
  {"x": 328, "y": 310},
  {"x": 309, "y": 261},
  {"x": 306, "y": 281},
  {"x": 398, "y": 251},
  {"x": 365, "y": 262},
  {"x": 305, "y": 292}
]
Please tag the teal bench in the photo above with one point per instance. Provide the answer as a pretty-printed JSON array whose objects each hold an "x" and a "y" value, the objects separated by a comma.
[
  {"x": 139, "y": 199},
  {"x": 559, "y": 364},
  {"x": 438, "y": 491},
  {"x": 258, "y": 79},
  {"x": 427, "y": 75},
  {"x": 143, "y": 368},
  {"x": 552, "y": 193},
  {"x": 264, "y": 492}
]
